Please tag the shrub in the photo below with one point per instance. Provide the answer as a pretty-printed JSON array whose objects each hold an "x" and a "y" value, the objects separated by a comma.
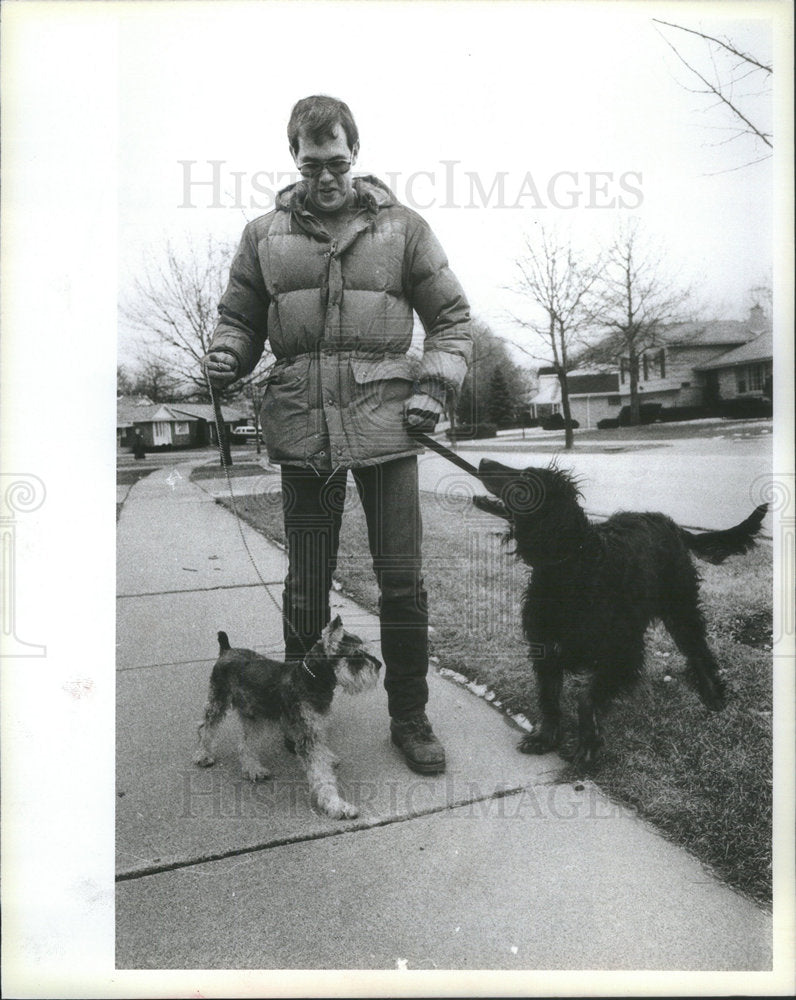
[
  {"x": 648, "y": 414},
  {"x": 749, "y": 406},
  {"x": 466, "y": 432},
  {"x": 670, "y": 414},
  {"x": 556, "y": 422}
]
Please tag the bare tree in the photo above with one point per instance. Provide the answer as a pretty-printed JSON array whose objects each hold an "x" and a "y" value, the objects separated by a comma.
[
  {"x": 156, "y": 380},
  {"x": 558, "y": 282},
  {"x": 173, "y": 306},
  {"x": 125, "y": 383},
  {"x": 730, "y": 79},
  {"x": 637, "y": 304}
]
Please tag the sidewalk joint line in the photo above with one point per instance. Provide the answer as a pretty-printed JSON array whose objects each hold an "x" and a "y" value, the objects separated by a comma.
[{"x": 134, "y": 874}]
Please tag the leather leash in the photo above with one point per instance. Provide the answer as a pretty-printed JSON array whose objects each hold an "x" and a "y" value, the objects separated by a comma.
[{"x": 446, "y": 452}]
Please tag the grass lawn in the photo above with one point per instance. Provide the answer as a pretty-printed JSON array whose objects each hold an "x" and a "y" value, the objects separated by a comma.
[
  {"x": 703, "y": 778},
  {"x": 689, "y": 429},
  {"x": 129, "y": 477},
  {"x": 214, "y": 470},
  {"x": 621, "y": 439}
]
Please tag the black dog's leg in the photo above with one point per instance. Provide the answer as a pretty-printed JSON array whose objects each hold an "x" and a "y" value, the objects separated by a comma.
[
  {"x": 592, "y": 693},
  {"x": 549, "y": 678},
  {"x": 619, "y": 671},
  {"x": 687, "y": 627}
]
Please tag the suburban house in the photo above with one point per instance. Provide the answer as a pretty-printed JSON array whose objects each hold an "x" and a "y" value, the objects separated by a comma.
[
  {"x": 593, "y": 395},
  {"x": 694, "y": 364},
  {"x": 170, "y": 425},
  {"x": 743, "y": 372}
]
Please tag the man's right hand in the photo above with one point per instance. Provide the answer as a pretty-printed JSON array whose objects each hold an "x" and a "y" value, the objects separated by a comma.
[{"x": 221, "y": 368}]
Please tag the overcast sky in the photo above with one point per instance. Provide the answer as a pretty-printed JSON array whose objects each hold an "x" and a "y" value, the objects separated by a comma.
[{"x": 487, "y": 118}]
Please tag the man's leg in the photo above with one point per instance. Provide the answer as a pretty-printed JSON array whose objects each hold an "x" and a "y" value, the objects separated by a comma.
[
  {"x": 391, "y": 501},
  {"x": 312, "y": 505}
]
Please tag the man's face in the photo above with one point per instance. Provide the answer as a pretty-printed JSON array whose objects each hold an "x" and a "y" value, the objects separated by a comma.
[{"x": 329, "y": 188}]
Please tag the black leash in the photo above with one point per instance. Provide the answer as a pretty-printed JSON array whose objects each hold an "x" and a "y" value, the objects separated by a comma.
[{"x": 446, "y": 452}]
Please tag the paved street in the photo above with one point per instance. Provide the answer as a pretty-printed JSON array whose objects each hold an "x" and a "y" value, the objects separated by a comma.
[{"x": 703, "y": 482}]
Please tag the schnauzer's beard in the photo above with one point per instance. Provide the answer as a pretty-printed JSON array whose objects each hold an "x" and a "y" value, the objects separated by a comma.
[{"x": 356, "y": 681}]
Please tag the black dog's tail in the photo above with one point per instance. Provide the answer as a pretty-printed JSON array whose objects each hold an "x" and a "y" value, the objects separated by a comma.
[
  {"x": 715, "y": 546},
  {"x": 223, "y": 642}
]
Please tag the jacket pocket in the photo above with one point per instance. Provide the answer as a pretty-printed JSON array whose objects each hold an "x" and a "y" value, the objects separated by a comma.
[
  {"x": 370, "y": 373},
  {"x": 290, "y": 422},
  {"x": 379, "y": 389}
]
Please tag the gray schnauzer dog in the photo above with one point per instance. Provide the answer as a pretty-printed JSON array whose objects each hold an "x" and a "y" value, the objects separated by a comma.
[{"x": 298, "y": 696}]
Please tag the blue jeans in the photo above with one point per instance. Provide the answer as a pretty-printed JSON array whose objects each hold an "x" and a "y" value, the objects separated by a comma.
[{"x": 313, "y": 509}]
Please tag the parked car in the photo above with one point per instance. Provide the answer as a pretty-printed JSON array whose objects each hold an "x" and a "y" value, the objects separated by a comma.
[{"x": 244, "y": 435}]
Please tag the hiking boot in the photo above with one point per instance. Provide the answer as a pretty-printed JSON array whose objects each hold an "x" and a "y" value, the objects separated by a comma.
[{"x": 415, "y": 738}]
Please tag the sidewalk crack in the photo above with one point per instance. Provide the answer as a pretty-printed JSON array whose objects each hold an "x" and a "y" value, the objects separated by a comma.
[{"x": 160, "y": 869}]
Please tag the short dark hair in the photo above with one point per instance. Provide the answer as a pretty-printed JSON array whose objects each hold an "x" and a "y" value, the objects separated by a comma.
[{"x": 317, "y": 117}]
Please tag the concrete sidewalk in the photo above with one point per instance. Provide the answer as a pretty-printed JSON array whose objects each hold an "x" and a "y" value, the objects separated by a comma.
[{"x": 491, "y": 866}]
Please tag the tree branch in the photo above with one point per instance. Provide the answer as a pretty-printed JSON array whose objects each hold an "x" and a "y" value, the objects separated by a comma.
[
  {"x": 718, "y": 41},
  {"x": 764, "y": 137}
]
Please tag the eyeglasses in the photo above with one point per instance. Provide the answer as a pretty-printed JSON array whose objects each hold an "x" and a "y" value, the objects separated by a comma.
[{"x": 316, "y": 167}]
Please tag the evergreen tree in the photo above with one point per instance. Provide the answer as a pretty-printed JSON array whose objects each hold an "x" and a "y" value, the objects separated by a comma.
[
  {"x": 489, "y": 355},
  {"x": 501, "y": 406}
]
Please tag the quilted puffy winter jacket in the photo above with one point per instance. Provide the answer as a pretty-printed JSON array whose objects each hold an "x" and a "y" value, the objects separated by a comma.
[{"x": 338, "y": 314}]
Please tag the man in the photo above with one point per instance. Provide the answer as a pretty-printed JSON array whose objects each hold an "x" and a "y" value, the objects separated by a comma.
[{"x": 331, "y": 277}]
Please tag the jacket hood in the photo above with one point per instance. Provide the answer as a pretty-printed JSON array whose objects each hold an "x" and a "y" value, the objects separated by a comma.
[{"x": 372, "y": 193}]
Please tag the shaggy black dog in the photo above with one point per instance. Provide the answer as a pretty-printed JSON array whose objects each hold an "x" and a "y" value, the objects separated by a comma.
[{"x": 594, "y": 590}]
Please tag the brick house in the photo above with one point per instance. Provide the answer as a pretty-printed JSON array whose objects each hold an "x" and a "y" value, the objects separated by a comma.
[
  {"x": 695, "y": 364},
  {"x": 676, "y": 371},
  {"x": 169, "y": 425},
  {"x": 744, "y": 372}
]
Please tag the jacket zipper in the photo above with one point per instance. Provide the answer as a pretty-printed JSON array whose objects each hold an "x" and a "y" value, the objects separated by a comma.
[{"x": 329, "y": 258}]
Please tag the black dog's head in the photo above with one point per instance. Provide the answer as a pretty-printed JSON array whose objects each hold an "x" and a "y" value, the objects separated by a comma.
[{"x": 541, "y": 506}]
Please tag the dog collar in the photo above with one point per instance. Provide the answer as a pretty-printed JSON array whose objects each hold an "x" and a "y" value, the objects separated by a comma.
[{"x": 304, "y": 664}]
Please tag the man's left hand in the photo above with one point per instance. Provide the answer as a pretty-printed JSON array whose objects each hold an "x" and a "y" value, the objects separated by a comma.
[{"x": 421, "y": 413}]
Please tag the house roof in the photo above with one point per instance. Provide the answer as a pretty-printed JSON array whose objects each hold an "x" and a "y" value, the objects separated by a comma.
[
  {"x": 759, "y": 349},
  {"x": 579, "y": 383},
  {"x": 589, "y": 383},
  {"x": 727, "y": 333},
  {"x": 131, "y": 410},
  {"x": 718, "y": 331},
  {"x": 549, "y": 391}
]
